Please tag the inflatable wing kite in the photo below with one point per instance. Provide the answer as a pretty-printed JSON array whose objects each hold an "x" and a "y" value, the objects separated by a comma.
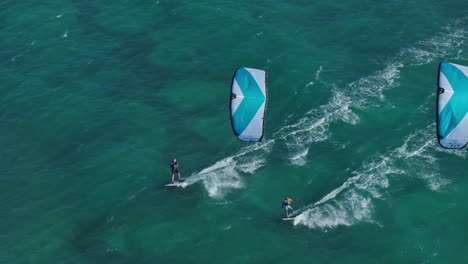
[
  {"x": 248, "y": 103},
  {"x": 452, "y": 105}
]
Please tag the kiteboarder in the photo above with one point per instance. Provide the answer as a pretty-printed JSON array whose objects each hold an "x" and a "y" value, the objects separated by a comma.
[
  {"x": 287, "y": 206},
  {"x": 175, "y": 169}
]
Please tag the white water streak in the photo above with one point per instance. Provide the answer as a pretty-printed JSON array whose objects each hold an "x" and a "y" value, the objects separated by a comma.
[
  {"x": 352, "y": 201},
  {"x": 224, "y": 174}
]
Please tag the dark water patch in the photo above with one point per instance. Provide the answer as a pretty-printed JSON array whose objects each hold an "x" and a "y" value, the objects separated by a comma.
[
  {"x": 131, "y": 54},
  {"x": 86, "y": 240}
]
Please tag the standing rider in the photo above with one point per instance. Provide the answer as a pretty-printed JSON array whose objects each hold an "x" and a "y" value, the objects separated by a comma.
[
  {"x": 175, "y": 169},
  {"x": 287, "y": 206}
]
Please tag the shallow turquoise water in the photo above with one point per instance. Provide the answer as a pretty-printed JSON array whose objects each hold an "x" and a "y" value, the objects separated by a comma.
[{"x": 98, "y": 96}]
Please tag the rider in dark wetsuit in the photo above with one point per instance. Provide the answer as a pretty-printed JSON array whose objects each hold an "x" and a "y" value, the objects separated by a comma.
[
  {"x": 175, "y": 169},
  {"x": 287, "y": 206}
]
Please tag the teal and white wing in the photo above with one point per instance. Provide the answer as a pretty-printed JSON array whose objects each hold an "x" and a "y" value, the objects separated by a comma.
[
  {"x": 452, "y": 105},
  {"x": 248, "y": 103}
]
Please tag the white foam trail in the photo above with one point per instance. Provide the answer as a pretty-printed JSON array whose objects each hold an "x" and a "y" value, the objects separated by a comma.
[
  {"x": 338, "y": 190},
  {"x": 354, "y": 207},
  {"x": 314, "y": 126},
  {"x": 300, "y": 158},
  {"x": 225, "y": 175},
  {"x": 317, "y": 77},
  {"x": 440, "y": 47},
  {"x": 352, "y": 201},
  {"x": 373, "y": 86},
  {"x": 434, "y": 181}
]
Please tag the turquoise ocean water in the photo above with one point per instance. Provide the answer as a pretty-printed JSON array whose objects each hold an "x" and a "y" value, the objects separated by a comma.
[{"x": 98, "y": 96}]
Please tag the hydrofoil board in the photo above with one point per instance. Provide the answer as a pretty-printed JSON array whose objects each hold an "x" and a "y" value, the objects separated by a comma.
[{"x": 175, "y": 184}]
